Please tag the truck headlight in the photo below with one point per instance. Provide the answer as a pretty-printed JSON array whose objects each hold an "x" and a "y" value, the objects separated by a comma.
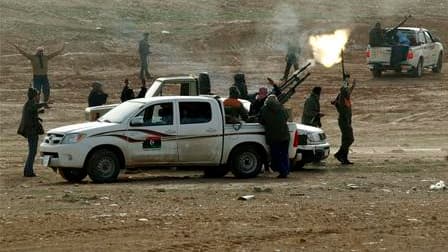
[
  {"x": 73, "y": 138},
  {"x": 314, "y": 137}
]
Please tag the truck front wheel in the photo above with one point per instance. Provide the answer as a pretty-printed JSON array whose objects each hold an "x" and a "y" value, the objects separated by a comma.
[
  {"x": 103, "y": 166},
  {"x": 73, "y": 174},
  {"x": 245, "y": 162}
]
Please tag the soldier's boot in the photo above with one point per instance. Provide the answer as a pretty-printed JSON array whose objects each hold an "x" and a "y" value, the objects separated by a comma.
[
  {"x": 339, "y": 157},
  {"x": 345, "y": 158}
]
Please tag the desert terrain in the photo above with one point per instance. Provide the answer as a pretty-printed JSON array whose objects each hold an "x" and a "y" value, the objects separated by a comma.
[{"x": 381, "y": 203}]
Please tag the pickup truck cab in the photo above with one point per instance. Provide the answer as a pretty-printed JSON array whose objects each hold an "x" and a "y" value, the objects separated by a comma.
[
  {"x": 425, "y": 51},
  {"x": 162, "y": 131}
]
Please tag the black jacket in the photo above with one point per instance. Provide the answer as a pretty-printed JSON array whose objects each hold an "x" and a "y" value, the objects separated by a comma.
[
  {"x": 97, "y": 98},
  {"x": 30, "y": 123},
  {"x": 127, "y": 94}
]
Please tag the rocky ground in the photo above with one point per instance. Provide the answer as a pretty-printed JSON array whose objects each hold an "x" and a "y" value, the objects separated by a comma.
[{"x": 382, "y": 203}]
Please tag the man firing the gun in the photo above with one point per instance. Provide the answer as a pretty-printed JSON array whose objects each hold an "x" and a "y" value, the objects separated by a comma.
[{"x": 343, "y": 105}]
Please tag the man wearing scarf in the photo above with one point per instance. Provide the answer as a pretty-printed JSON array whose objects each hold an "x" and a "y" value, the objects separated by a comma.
[{"x": 39, "y": 62}]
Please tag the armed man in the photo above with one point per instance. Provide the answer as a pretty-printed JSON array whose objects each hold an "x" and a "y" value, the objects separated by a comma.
[
  {"x": 376, "y": 35},
  {"x": 343, "y": 105},
  {"x": 311, "y": 110},
  {"x": 144, "y": 52}
]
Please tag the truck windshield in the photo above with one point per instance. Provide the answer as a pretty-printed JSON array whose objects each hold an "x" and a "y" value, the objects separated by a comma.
[{"x": 121, "y": 112}]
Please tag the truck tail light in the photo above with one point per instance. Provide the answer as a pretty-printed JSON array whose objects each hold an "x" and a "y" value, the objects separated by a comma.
[
  {"x": 410, "y": 55},
  {"x": 296, "y": 139},
  {"x": 367, "y": 53}
]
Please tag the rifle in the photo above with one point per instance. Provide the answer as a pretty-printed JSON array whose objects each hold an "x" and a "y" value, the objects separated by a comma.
[
  {"x": 400, "y": 24},
  {"x": 285, "y": 96},
  {"x": 344, "y": 74}
]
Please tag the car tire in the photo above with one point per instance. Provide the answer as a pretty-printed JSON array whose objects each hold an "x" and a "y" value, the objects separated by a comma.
[
  {"x": 245, "y": 162},
  {"x": 103, "y": 166},
  {"x": 376, "y": 73},
  {"x": 438, "y": 67},
  {"x": 418, "y": 71},
  {"x": 216, "y": 171},
  {"x": 73, "y": 174}
]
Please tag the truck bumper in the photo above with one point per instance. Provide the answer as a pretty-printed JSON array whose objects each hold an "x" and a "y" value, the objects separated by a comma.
[
  {"x": 404, "y": 66},
  {"x": 63, "y": 155},
  {"x": 314, "y": 153}
]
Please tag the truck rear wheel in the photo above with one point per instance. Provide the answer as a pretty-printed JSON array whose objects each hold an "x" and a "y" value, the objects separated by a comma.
[
  {"x": 418, "y": 71},
  {"x": 73, "y": 174},
  {"x": 245, "y": 162},
  {"x": 103, "y": 166},
  {"x": 438, "y": 68},
  {"x": 376, "y": 72}
]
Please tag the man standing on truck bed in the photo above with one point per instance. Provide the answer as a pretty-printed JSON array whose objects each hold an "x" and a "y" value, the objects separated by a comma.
[
  {"x": 343, "y": 105},
  {"x": 234, "y": 109},
  {"x": 39, "y": 62},
  {"x": 143, "y": 50},
  {"x": 274, "y": 119},
  {"x": 376, "y": 36}
]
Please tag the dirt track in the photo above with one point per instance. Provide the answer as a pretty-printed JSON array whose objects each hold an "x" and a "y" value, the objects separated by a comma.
[{"x": 382, "y": 203}]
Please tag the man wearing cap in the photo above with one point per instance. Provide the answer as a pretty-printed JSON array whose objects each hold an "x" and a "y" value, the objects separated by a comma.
[
  {"x": 258, "y": 103},
  {"x": 39, "y": 62},
  {"x": 97, "y": 97},
  {"x": 143, "y": 50},
  {"x": 30, "y": 128},
  {"x": 311, "y": 110}
]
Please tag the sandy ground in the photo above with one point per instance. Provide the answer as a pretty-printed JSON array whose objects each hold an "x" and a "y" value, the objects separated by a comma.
[{"x": 382, "y": 203}]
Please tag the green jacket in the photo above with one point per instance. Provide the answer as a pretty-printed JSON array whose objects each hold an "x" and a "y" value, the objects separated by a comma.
[
  {"x": 274, "y": 119},
  {"x": 311, "y": 111}
]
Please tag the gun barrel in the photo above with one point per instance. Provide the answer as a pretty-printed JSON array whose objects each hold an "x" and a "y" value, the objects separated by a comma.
[
  {"x": 284, "y": 97},
  {"x": 294, "y": 76}
]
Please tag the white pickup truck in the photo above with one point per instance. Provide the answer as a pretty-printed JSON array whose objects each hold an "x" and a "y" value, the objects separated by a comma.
[
  {"x": 166, "y": 131},
  {"x": 425, "y": 51}
]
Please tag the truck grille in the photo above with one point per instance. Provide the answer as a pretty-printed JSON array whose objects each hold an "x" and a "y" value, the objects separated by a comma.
[{"x": 52, "y": 138}]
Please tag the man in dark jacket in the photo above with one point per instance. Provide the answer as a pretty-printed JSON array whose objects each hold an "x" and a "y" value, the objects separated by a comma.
[
  {"x": 240, "y": 83},
  {"x": 376, "y": 36},
  {"x": 274, "y": 119},
  {"x": 30, "y": 128},
  {"x": 343, "y": 105},
  {"x": 311, "y": 110},
  {"x": 143, "y": 90},
  {"x": 127, "y": 93},
  {"x": 97, "y": 97}
]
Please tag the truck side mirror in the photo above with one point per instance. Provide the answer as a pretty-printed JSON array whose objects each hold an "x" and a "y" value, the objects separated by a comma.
[
  {"x": 436, "y": 39},
  {"x": 137, "y": 121}
]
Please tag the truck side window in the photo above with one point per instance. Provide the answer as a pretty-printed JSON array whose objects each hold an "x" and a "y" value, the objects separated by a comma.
[
  {"x": 428, "y": 38},
  {"x": 195, "y": 112},
  {"x": 421, "y": 38},
  {"x": 157, "y": 115}
]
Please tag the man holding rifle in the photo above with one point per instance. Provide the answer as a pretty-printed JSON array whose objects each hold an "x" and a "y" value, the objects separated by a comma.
[{"x": 343, "y": 105}]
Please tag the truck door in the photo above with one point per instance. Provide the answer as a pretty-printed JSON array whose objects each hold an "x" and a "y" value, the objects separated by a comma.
[
  {"x": 152, "y": 135},
  {"x": 433, "y": 57},
  {"x": 424, "y": 47},
  {"x": 199, "y": 138}
]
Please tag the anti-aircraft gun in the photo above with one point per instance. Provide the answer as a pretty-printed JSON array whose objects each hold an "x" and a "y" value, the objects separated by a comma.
[{"x": 287, "y": 89}]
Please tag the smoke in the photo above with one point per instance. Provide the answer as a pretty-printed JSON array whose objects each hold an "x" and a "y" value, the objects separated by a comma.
[{"x": 327, "y": 47}]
